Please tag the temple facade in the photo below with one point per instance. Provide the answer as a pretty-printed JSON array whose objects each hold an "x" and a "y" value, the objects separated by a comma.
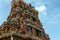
[{"x": 22, "y": 23}]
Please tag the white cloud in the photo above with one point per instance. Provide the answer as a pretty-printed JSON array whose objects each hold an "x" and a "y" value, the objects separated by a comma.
[{"x": 42, "y": 10}]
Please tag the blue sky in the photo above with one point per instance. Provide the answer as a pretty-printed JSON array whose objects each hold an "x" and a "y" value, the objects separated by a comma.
[{"x": 49, "y": 15}]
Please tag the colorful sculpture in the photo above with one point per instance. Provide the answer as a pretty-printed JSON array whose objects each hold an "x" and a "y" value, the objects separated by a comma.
[{"x": 22, "y": 23}]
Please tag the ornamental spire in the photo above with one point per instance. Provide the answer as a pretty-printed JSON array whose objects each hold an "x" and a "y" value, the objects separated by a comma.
[{"x": 22, "y": 23}]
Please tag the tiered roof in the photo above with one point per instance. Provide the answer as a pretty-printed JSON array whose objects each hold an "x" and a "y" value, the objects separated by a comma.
[{"x": 23, "y": 22}]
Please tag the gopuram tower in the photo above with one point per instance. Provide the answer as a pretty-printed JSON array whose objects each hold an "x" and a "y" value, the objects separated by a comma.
[{"x": 22, "y": 23}]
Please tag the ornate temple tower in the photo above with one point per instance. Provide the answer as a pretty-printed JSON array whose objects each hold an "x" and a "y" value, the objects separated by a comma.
[{"x": 22, "y": 23}]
